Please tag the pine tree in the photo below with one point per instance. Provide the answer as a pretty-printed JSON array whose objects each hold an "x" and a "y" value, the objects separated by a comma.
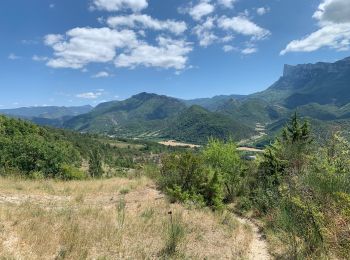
[{"x": 296, "y": 132}]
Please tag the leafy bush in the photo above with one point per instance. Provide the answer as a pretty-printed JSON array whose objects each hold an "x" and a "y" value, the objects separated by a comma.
[
  {"x": 69, "y": 172},
  {"x": 210, "y": 177}
]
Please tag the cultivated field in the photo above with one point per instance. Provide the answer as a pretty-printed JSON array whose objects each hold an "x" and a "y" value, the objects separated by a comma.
[{"x": 117, "y": 218}]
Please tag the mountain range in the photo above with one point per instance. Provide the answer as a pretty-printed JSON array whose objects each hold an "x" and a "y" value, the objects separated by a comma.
[
  {"x": 318, "y": 91},
  {"x": 47, "y": 115}
]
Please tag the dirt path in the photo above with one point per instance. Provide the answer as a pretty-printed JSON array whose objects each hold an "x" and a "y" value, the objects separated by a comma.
[{"x": 258, "y": 247}]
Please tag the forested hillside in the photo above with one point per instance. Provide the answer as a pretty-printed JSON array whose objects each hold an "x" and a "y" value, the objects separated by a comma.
[{"x": 33, "y": 151}]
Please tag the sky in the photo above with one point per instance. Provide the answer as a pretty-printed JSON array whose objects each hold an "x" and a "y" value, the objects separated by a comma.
[{"x": 64, "y": 52}]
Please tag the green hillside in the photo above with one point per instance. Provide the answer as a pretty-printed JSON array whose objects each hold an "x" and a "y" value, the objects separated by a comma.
[
  {"x": 214, "y": 103},
  {"x": 153, "y": 116},
  {"x": 134, "y": 116},
  {"x": 197, "y": 124},
  {"x": 35, "y": 151}
]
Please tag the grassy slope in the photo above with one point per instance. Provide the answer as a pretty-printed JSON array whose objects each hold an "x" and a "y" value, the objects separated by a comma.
[{"x": 108, "y": 219}]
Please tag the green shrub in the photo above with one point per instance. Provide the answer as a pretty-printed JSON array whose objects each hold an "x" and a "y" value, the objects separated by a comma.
[
  {"x": 225, "y": 161},
  {"x": 69, "y": 172}
]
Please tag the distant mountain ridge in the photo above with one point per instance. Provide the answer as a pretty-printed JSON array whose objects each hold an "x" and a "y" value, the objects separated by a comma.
[
  {"x": 214, "y": 103},
  {"x": 322, "y": 83},
  {"x": 320, "y": 91},
  {"x": 47, "y": 115},
  {"x": 150, "y": 115},
  {"x": 47, "y": 111}
]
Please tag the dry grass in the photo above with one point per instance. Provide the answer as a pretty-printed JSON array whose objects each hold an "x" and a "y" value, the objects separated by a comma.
[{"x": 108, "y": 219}]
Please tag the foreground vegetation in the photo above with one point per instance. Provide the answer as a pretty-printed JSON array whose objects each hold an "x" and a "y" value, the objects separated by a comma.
[
  {"x": 300, "y": 190},
  {"x": 37, "y": 152}
]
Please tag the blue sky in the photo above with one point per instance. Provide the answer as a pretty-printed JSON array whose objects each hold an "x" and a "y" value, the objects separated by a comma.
[{"x": 64, "y": 52}]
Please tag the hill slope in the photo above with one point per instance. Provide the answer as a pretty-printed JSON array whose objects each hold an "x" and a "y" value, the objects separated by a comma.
[
  {"x": 212, "y": 104},
  {"x": 139, "y": 114},
  {"x": 196, "y": 125},
  {"x": 153, "y": 116}
]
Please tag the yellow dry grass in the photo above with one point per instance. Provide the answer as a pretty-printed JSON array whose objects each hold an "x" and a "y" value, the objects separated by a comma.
[{"x": 108, "y": 219}]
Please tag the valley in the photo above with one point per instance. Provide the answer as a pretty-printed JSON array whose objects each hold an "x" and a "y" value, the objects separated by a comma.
[{"x": 252, "y": 119}]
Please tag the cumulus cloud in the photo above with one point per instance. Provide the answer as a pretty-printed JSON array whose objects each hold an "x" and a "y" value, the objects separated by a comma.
[
  {"x": 333, "y": 18},
  {"x": 117, "y": 5},
  {"x": 203, "y": 8},
  {"x": 262, "y": 10},
  {"x": 335, "y": 36},
  {"x": 228, "y": 48},
  {"x": 82, "y": 46},
  {"x": 86, "y": 45},
  {"x": 168, "y": 53},
  {"x": 249, "y": 50},
  {"x": 227, "y": 3},
  {"x": 242, "y": 25},
  {"x": 101, "y": 74},
  {"x": 333, "y": 11},
  {"x": 147, "y": 22},
  {"x": 89, "y": 95},
  {"x": 204, "y": 32}
]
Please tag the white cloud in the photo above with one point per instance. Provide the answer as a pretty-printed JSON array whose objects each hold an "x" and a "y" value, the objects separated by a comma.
[
  {"x": 334, "y": 36},
  {"x": 146, "y": 21},
  {"x": 204, "y": 32},
  {"x": 101, "y": 74},
  {"x": 249, "y": 50},
  {"x": 242, "y": 25},
  {"x": 39, "y": 58},
  {"x": 202, "y": 9},
  {"x": 262, "y": 10},
  {"x": 87, "y": 45},
  {"x": 227, "y": 3},
  {"x": 228, "y": 48},
  {"x": 333, "y": 11},
  {"x": 13, "y": 56},
  {"x": 52, "y": 39},
  {"x": 168, "y": 54},
  {"x": 334, "y": 21},
  {"x": 89, "y": 95},
  {"x": 117, "y": 5}
]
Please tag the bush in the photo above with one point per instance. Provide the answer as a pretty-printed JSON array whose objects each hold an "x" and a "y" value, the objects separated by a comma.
[
  {"x": 69, "y": 172},
  {"x": 210, "y": 177}
]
